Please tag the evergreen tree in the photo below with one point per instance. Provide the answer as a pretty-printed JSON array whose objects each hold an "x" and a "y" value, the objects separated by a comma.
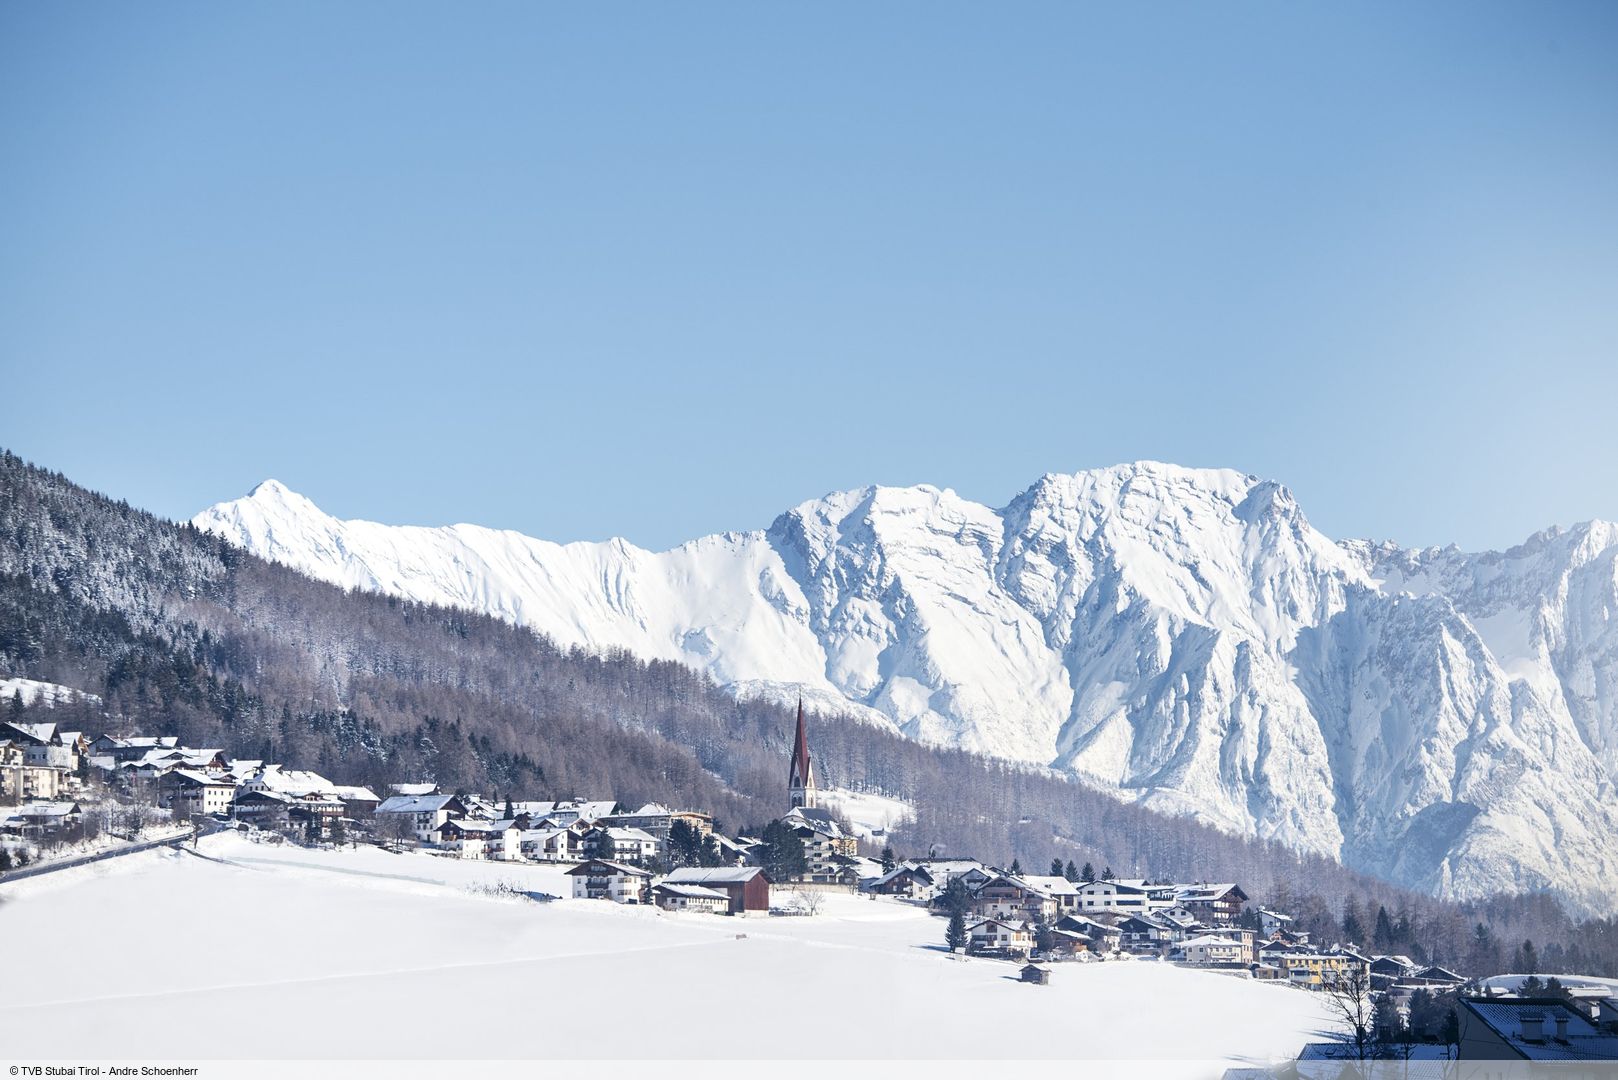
[
  {"x": 955, "y": 935},
  {"x": 1382, "y": 936},
  {"x": 1353, "y": 922},
  {"x": 781, "y": 853},
  {"x": 511, "y": 811},
  {"x": 311, "y": 830},
  {"x": 1526, "y": 959},
  {"x": 339, "y": 834},
  {"x": 1088, "y": 873},
  {"x": 955, "y": 898},
  {"x": 1071, "y": 872},
  {"x": 1056, "y": 868},
  {"x": 1016, "y": 868},
  {"x": 1107, "y": 875},
  {"x": 888, "y": 861}
]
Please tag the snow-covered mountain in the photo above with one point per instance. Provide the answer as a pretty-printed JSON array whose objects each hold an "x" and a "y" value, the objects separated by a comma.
[{"x": 1178, "y": 636}]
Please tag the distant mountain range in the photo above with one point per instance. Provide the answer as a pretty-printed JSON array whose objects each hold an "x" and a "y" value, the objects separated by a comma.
[{"x": 1175, "y": 636}]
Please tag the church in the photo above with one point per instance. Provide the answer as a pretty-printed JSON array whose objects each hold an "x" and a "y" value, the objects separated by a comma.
[
  {"x": 829, "y": 848},
  {"x": 801, "y": 781}
]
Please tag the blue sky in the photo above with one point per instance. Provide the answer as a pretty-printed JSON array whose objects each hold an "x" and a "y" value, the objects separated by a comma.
[{"x": 662, "y": 270}]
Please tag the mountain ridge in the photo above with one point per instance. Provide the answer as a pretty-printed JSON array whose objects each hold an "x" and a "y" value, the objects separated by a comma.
[{"x": 1180, "y": 637}]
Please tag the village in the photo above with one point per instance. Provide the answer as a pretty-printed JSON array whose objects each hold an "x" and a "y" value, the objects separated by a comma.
[{"x": 64, "y": 794}]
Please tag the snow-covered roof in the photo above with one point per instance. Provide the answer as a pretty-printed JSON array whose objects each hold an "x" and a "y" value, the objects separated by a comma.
[
  {"x": 637, "y": 835},
  {"x": 1052, "y": 885},
  {"x": 60, "y": 808},
  {"x": 616, "y": 867},
  {"x": 1509, "y": 1020},
  {"x": 1188, "y": 893},
  {"x": 191, "y": 776},
  {"x": 1209, "y": 940},
  {"x": 413, "y": 789},
  {"x": 354, "y": 794},
  {"x": 414, "y": 804},
  {"x": 704, "y": 874}
]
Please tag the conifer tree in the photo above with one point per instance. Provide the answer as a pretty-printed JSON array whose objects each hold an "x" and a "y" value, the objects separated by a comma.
[
  {"x": 955, "y": 934},
  {"x": 1072, "y": 872},
  {"x": 888, "y": 861},
  {"x": 1016, "y": 868},
  {"x": 1088, "y": 873},
  {"x": 1056, "y": 868}
]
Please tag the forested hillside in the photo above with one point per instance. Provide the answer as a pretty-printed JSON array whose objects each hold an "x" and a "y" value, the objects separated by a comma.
[{"x": 179, "y": 632}]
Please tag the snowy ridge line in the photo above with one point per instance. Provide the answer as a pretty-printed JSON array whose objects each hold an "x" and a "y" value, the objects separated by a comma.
[{"x": 1181, "y": 638}]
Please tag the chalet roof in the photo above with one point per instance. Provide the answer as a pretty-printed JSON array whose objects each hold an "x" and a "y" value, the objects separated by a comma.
[
  {"x": 262, "y": 795},
  {"x": 413, "y": 789},
  {"x": 1195, "y": 893},
  {"x": 651, "y": 809},
  {"x": 816, "y": 818},
  {"x": 415, "y": 804},
  {"x": 191, "y": 776},
  {"x": 899, "y": 871},
  {"x": 1276, "y": 915},
  {"x": 614, "y": 867},
  {"x": 1022, "y": 927},
  {"x": 57, "y": 809},
  {"x": 639, "y": 835},
  {"x": 1208, "y": 940},
  {"x": 1052, "y": 885},
  {"x": 705, "y": 875},
  {"x": 1136, "y": 886},
  {"x": 35, "y": 733},
  {"x": 1436, "y": 972},
  {"x": 590, "y": 811},
  {"x": 291, "y": 781},
  {"x": 695, "y": 891},
  {"x": 1505, "y": 1017},
  {"x": 354, "y": 794}
]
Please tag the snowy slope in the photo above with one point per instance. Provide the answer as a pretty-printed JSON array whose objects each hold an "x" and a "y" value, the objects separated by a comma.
[
  {"x": 1179, "y": 636},
  {"x": 355, "y": 954}
]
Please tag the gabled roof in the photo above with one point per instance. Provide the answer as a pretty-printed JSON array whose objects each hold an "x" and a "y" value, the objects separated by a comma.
[
  {"x": 703, "y": 875},
  {"x": 192, "y": 777},
  {"x": 615, "y": 867},
  {"x": 899, "y": 871},
  {"x": 1052, "y": 885},
  {"x": 1207, "y": 940},
  {"x": 1506, "y": 1018},
  {"x": 354, "y": 794},
  {"x": 416, "y": 804}
]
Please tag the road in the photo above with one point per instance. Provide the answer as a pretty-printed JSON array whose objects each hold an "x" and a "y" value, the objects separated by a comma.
[{"x": 178, "y": 836}]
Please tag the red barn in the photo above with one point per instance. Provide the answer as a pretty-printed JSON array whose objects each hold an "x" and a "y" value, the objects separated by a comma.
[{"x": 747, "y": 886}]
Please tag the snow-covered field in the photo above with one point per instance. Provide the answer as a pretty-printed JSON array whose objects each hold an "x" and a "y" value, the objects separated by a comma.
[{"x": 266, "y": 952}]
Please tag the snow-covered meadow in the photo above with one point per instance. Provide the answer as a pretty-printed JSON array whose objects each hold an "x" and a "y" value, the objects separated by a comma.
[{"x": 264, "y": 952}]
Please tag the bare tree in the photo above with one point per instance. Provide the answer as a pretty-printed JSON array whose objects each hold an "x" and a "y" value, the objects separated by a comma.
[{"x": 1348, "y": 1001}]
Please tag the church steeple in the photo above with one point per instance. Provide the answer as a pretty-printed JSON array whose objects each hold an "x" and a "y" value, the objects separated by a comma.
[{"x": 801, "y": 779}]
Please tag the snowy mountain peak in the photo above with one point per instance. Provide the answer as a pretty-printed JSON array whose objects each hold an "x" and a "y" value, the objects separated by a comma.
[{"x": 1183, "y": 637}]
